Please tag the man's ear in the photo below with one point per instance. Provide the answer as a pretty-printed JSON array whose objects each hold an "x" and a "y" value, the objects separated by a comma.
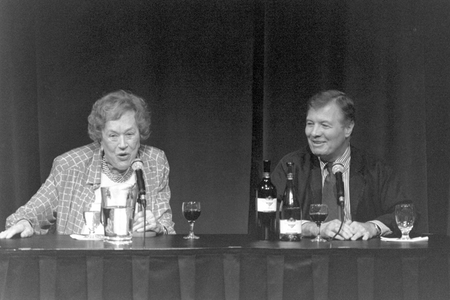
[{"x": 349, "y": 129}]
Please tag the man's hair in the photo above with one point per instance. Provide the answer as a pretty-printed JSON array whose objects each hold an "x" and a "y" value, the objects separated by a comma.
[
  {"x": 111, "y": 107},
  {"x": 344, "y": 102}
]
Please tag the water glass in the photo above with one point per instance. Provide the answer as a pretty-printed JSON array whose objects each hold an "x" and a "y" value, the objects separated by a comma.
[
  {"x": 91, "y": 219},
  {"x": 118, "y": 204},
  {"x": 405, "y": 216}
]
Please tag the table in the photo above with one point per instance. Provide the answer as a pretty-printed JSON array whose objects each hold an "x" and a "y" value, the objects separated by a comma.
[{"x": 225, "y": 267}]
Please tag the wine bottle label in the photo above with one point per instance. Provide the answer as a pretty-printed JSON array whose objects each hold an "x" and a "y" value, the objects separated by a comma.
[
  {"x": 290, "y": 226},
  {"x": 266, "y": 204}
]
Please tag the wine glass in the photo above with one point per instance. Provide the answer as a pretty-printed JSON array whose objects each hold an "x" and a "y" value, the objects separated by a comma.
[
  {"x": 191, "y": 211},
  {"x": 318, "y": 213},
  {"x": 405, "y": 217},
  {"x": 91, "y": 219}
]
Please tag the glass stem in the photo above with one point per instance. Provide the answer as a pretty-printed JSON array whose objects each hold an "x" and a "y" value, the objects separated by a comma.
[
  {"x": 405, "y": 235},
  {"x": 191, "y": 228}
]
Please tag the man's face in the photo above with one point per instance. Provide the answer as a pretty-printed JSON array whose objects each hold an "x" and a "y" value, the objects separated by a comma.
[
  {"x": 327, "y": 133},
  {"x": 121, "y": 141}
]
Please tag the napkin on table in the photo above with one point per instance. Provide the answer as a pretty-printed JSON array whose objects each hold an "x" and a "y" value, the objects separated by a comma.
[
  {"x": 416, "y": 239},
  {"x": 85, "y": 237}
]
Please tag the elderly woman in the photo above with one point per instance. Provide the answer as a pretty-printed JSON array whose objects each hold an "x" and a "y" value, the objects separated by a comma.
[{"x": 117, "y": 124}]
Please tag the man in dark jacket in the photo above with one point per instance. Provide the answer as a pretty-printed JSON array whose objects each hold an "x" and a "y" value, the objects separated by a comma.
[{"x": 371, "y": 189}]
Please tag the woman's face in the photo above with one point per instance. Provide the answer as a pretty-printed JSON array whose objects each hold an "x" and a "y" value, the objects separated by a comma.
[{"x": 121, "y": 141}]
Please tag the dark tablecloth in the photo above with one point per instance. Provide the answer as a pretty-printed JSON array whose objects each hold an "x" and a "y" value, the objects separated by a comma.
[{"x": 222, "y": 267}]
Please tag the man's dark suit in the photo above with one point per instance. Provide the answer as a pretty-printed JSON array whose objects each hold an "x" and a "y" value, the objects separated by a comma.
[{"x": 374, "y": 188}]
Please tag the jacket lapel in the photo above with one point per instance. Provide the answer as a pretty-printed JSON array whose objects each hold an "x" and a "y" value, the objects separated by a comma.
[{"x": 357, "y": 181}]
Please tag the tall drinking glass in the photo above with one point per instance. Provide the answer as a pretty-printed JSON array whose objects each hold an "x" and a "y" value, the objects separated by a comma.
[
  {"x": 91, "y": 219},
  {"x": 118, "y": 202},
  {"x": 318, "y": 213},
  {"x": 405, "y": 216},
  {"x": 191, "y": 211}
]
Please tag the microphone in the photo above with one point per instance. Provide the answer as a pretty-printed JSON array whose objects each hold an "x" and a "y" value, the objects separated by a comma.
[
  {"x": 137, "y": 166},
  {"x": 337, "y": 170}
]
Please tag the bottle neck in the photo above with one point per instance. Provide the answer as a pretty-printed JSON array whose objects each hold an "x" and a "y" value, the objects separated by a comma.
[{"x": 266, "y": 175}]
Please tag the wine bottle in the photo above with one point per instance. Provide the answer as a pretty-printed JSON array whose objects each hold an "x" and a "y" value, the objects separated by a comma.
[
  {"x": 266, "y": 206},
  {"x": 290, "y": 219}
]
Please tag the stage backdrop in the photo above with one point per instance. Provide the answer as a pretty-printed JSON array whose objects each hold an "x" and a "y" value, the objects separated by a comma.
[{"x": 226, "y": 82}]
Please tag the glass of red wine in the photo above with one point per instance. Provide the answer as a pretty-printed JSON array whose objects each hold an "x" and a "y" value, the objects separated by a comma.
[
  {"x": 191, "y": 211},
  {"x": 318, "y": 213}
]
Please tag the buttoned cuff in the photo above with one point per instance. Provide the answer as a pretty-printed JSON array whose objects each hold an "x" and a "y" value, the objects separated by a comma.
[{"x": 381, "y": 228}]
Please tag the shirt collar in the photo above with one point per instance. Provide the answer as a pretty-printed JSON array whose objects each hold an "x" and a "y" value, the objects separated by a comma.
[{"x": 344, "y": 159}]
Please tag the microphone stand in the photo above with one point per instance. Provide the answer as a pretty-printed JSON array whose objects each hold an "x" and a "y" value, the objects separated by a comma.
[
  {"x": 142, "y": 201},
  {"x": 341, "y": 209},
  {"x": 337, "y": 170},
  {"x": 137, "y": 166},
  {"x": 341, "y": 218}
]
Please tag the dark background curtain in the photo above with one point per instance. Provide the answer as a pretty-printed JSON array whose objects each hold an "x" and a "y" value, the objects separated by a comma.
[{"x": 227, "y": 82}]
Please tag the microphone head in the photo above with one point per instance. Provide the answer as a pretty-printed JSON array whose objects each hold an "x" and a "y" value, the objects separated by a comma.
[
  {"x": 137, "y": 164},
  {"x": 337, "y": 168}
]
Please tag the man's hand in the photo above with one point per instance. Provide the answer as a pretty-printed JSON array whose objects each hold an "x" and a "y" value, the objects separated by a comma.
[
  {"x": 329, "y": 230},
  {"x": 23, "y": 227},
  {"x": 363, "y": 230},
  {"x": 349, "y": 231}
]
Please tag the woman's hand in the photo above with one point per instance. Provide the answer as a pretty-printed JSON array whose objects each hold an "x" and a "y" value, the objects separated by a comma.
[
  {"x": 23, "y": 227},
  {"x": 150, "y": 225}
]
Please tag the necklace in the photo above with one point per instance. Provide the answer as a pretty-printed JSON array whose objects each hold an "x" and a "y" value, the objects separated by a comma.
[{"x": 117, "y": 178}]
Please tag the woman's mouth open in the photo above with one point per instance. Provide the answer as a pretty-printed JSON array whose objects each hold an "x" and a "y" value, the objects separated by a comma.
[{"x": 123, "y": 156}]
